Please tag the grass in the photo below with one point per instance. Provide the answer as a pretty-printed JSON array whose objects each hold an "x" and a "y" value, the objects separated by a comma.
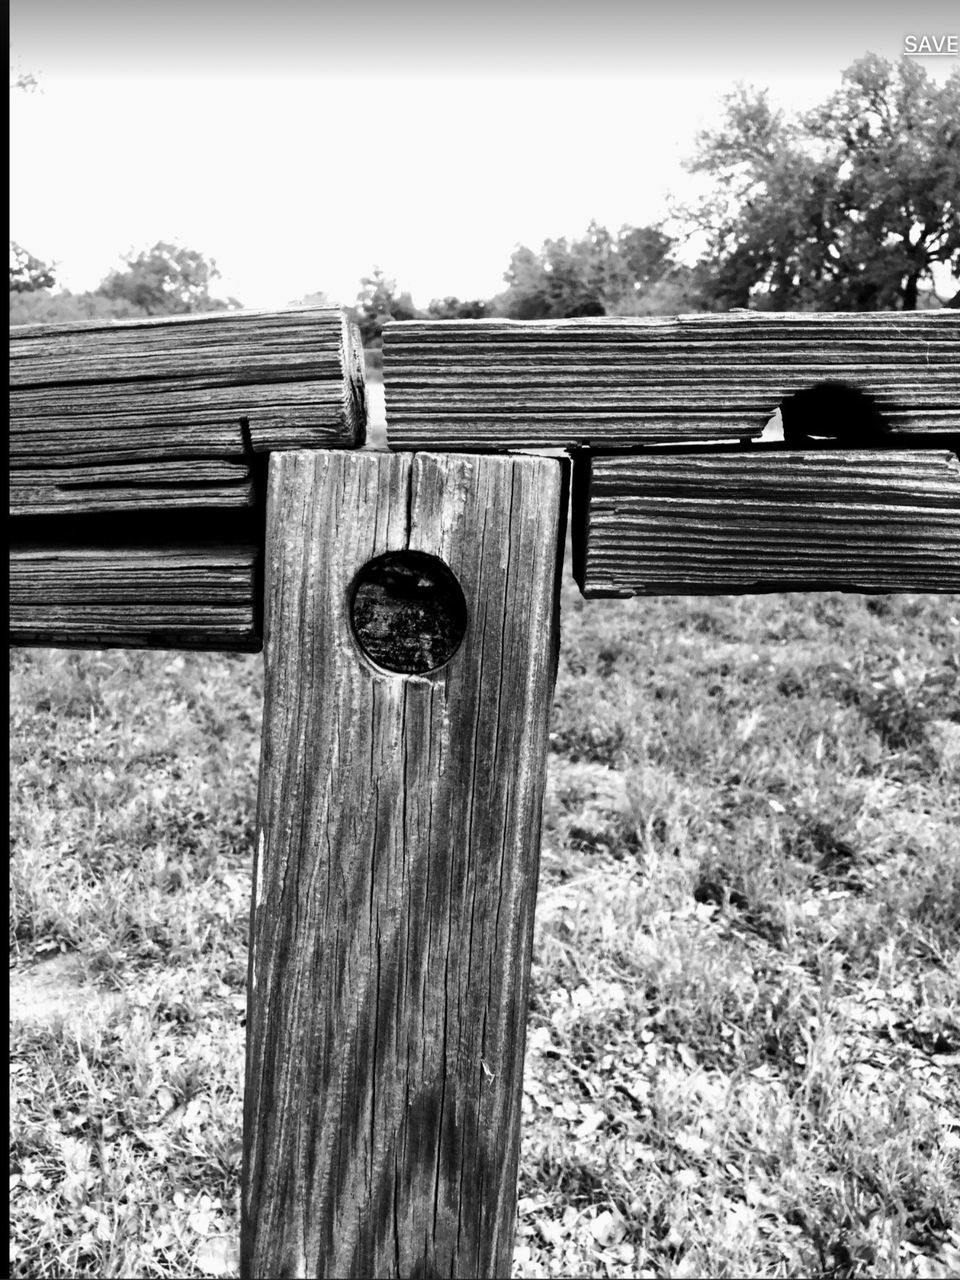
[{"x": 744, "y": 1034}]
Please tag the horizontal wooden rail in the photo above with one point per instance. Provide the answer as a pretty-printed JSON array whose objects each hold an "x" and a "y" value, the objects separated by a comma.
[
  {"x": 615, "y": 382},
  {"x": 142, "y": 394},
  {"x": 190, "y": 484},
  {"x": 135, "y": 597},
  {"x": 138, "y": 454},
  {"x": 701, "y": 523}
]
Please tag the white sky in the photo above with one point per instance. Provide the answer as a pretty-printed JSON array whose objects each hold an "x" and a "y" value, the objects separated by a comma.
[{"x": 300, "y": 144}]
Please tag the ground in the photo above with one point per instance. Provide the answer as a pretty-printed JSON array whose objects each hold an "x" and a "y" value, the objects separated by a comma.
[{"x": 744, "y": 1031}]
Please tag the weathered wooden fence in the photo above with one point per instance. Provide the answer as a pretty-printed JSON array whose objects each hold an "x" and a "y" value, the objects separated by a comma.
[{"x": 407, "y": 604}]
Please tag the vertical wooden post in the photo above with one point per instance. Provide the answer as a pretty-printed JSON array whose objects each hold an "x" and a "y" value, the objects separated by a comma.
[{"x": 396, "y": 871}]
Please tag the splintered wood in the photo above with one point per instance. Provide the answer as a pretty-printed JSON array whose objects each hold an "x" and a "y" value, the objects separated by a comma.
[
  {"x": 396, "y": 871},
  {"x": 137, "y": 455},
  {"x": 870, "y": 521},
  {"x": 621, "y": 382},
  {"x": 192, "y": 484}
]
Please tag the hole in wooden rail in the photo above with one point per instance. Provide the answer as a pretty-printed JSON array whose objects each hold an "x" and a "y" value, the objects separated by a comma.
[
  {"x": 408, "y": 612},
  {"x": 833, "y": 411}
]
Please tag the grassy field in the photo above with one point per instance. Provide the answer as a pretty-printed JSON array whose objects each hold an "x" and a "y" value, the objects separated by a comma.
[{"x": 744, "y": 1033}]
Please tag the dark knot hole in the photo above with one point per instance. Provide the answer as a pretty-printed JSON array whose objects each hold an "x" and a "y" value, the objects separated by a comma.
[{"x": 833, "y": 411}]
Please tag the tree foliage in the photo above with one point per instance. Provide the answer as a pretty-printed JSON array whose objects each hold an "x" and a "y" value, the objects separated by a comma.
[
  {"x": 25, "y": 81},
  {"x": 598, "y": 274},
  {"x": 316, "y": 298},
  {"x": 45, "y": 306},
  {"x": 378, "y": 302},
  {"x": 847, "y": 207},
  {"x": 166, "y": 280},
  {"x": 854, "y": 205},
  {"x": 27, "y": 273},
  {"x": 452, "y": 308}
]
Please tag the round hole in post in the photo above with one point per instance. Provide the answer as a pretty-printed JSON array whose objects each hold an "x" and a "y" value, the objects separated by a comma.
[{"x": 408, "y": 612}]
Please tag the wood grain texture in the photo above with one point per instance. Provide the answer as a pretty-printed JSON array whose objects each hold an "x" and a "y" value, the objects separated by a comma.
[
  {"x": 137, "y": 455},
  {"x": 134, "y": 597},
  {"x": 396, "y": 871},
  {"x": 170, "y": 393},
  {"x": 620, "y": 382},
  {"x": 692, "y": 524},
  {"x": 128, "y": 487}
]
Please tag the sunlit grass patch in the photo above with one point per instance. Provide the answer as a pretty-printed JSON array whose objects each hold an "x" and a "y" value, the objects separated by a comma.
[
  {"x": 125, "y": 1133},
  {"x": 133, "y": 813}
]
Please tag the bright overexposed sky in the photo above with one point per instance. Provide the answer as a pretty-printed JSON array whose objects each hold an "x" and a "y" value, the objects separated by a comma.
[{"x": 299, "y": 144}]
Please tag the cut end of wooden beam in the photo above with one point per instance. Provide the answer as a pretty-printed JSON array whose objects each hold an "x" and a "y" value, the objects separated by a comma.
[{"x": 354, "y": 382}]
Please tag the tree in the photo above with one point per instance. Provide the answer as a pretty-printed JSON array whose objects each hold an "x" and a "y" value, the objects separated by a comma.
[
  {"x": 26, "y": 81},
  {"x": 27, "y": 273},
  {"x": 528, "y": 294},
  {"x": 318, "y": 298},
  {"x": 166, "y": 280},
  {"x": 847, "y": 207},
  {"x": 451, "y": 308},
  {"x": 44, "y": 306},
  {"x": 598, "y": 274},
  {"x": 378, "y": 302}
]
